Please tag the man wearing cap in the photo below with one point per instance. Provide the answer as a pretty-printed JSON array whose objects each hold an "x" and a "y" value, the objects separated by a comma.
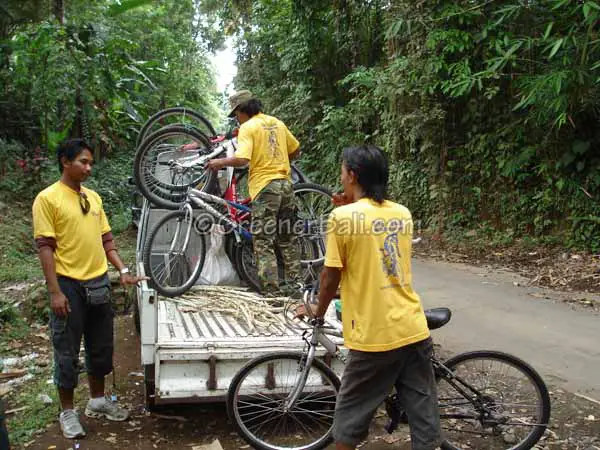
[{"x": 266, "y": 144}]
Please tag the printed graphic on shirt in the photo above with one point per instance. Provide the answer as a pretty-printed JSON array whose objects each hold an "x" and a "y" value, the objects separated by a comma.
[
  {"x": 273, "y": 142},
  {"x": 390, "y": 259}
]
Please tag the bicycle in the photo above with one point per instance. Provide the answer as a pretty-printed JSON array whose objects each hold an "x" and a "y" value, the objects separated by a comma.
[
  {"x": 163, "y": 172},
  {"x": 174, "y": 251},
  {"x": 271, "y": 414},
  {"x": 178, "y": 115}
]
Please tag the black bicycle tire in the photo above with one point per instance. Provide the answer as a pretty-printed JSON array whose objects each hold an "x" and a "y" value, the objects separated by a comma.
[
  {"x": 172, "y": 111},
  {"x": 300, "y": 175},
  {"x": 323, "y": 190},
  {"x": 238, "y": 251},
  {"x": 525, "y": 368},
  {"x": 175, "y": 291},
  {"x": 147, "y": 145},
  {"x": 238, "y": 255},
  {"x": 239, "y": 377}
]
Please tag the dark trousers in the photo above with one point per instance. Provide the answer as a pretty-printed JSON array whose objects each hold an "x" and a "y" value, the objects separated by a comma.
[
  {"x": 91, "y": 317},
  {"x": 4, "y": 445}
]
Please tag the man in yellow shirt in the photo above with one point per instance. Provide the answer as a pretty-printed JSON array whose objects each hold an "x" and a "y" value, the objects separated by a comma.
[
  {"x": 368, "y": 251},
  {"x": 74, "y": 241},
  {"x": 267, "y": 146}
]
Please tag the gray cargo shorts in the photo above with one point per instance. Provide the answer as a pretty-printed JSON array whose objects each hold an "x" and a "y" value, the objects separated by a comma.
[{"x": 369, "y": 378}]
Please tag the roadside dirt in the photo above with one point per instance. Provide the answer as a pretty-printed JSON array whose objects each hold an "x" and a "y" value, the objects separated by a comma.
[{"x": 547, "y": 267}]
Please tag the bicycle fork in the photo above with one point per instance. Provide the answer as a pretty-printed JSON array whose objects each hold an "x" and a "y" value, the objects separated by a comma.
[
  {"x": 304, "y": 367},
  {"x": 308, "y": 357}
]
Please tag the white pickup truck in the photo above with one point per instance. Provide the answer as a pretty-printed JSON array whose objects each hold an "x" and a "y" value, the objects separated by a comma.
[{"x": 192, "y": 356}]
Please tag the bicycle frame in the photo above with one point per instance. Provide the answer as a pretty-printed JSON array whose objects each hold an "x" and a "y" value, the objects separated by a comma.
[
  {"x": 319, "y": 335},
  {"x": 202, "y": 200}
]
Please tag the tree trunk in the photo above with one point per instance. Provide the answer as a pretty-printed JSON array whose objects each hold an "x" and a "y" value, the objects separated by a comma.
[{"x": 59, "y": 11}]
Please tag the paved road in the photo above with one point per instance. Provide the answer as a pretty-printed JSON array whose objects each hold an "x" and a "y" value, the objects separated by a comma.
[{"x": 491, "y": 312}]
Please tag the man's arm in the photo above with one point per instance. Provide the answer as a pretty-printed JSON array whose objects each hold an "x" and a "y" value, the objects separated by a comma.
[
  {"x": 113, "y": 256},
  {"x": 295, "y": 154},
  {"x": 58, "y": 301},
  {"x": 44, "y": 233},
  {"x": 216, "y": 164},
  {"x": 330, "y": 280}
]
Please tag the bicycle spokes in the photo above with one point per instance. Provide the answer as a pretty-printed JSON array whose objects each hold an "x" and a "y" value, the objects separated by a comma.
[{"x": 494, "y": 401}]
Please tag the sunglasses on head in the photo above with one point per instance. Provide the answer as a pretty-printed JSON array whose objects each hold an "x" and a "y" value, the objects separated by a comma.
[{"x": 84, "y": 203}]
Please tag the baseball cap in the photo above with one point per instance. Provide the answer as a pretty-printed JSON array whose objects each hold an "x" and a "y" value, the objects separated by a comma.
[{"x": 238, "y": 99}]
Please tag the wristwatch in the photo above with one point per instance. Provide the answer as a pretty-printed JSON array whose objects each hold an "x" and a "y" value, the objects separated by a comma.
[{"x": 124, "y": 270}]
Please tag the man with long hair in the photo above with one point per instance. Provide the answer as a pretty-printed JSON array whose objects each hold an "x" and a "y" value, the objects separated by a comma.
[{"x": 368, "y": 252}]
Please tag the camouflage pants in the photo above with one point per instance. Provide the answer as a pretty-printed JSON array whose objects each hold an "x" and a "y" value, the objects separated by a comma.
[{"x": 273, "y": 214}]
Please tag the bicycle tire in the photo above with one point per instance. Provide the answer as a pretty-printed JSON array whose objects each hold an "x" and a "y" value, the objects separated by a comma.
[
  {"x": 243, "y": 251},
  {"x": 322, "y": 374},
  {"x": 326, "y": 205},
  {"x": 502, "y": 440},
  {"x": 157, "y": 191},
  {"x": 297, "y": 175},
  {"x": 245, "y": 264},
  {"x": 176, "y": 110},
  {"x": 180, "y": 281}
]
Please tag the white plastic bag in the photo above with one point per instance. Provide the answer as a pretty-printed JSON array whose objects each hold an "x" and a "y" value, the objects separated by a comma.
[{"x": 217, "y": 270}]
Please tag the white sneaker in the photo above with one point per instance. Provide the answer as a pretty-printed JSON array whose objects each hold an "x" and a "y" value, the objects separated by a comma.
[
  {"x": 97, "y": 409},
  {"x": 70, "y": 425}
]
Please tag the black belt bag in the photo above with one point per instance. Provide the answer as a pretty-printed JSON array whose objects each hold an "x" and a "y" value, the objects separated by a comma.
[{"x": 97, "y": 290}]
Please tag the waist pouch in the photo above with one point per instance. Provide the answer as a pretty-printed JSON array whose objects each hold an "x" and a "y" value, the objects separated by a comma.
[{"x": 97, "y": 290}]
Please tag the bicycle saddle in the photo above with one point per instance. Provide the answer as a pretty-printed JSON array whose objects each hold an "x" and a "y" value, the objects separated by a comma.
[{"x": 437, "y": 317}]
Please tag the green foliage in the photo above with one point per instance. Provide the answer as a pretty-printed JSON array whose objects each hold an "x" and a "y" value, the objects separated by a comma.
[
  {"x": 101, "y": 75},
  {"x": 12, "y": 324},
  {"x": 38, "y": 415},
  {"x": 109, "y": 180},
  {"x": 17, "y": 252},
  {"x": 489, "y": 111}
]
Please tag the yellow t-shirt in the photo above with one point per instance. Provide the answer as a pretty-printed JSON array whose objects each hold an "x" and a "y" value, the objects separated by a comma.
[
  {"x": 57, "y": 214},
  {"x": 267, "y": 143},
  {"x": 371, "y": 244}
]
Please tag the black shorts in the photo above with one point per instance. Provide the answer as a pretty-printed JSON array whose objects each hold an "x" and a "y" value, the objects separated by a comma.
[
  {"x": 369, "y": 378},
  {"x": 91, "y": 316}
]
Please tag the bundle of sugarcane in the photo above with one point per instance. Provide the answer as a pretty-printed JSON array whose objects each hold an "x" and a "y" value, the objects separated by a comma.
[{"x": 255, "y": 310}]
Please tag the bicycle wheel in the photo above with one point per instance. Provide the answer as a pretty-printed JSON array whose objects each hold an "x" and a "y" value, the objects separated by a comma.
[
  {"x": 245, "y": 264},
  {"x": 314, "y": 203},
  {"x": 163, "y": 173},
  {"x": 177, "y": 115},
  {"x": 298, "y": 176},
  {"x": 174, "y": 253},
  {"x": 256, "y": 403},
  {"x": 510, "y": 411}
]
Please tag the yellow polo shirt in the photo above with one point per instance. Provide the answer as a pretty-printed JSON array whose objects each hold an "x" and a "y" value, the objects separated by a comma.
[
  {"x": 267, "y": 143},
  {"x": 371, "y": 244},
  {"x": 57, "y": 214}
]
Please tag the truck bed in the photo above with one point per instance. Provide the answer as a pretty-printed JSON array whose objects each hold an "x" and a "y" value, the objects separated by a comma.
[
  {"x": 205, "y": 330},
  {"x": 196, "y": 354},
  {"x": 193, "y": 356}
]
